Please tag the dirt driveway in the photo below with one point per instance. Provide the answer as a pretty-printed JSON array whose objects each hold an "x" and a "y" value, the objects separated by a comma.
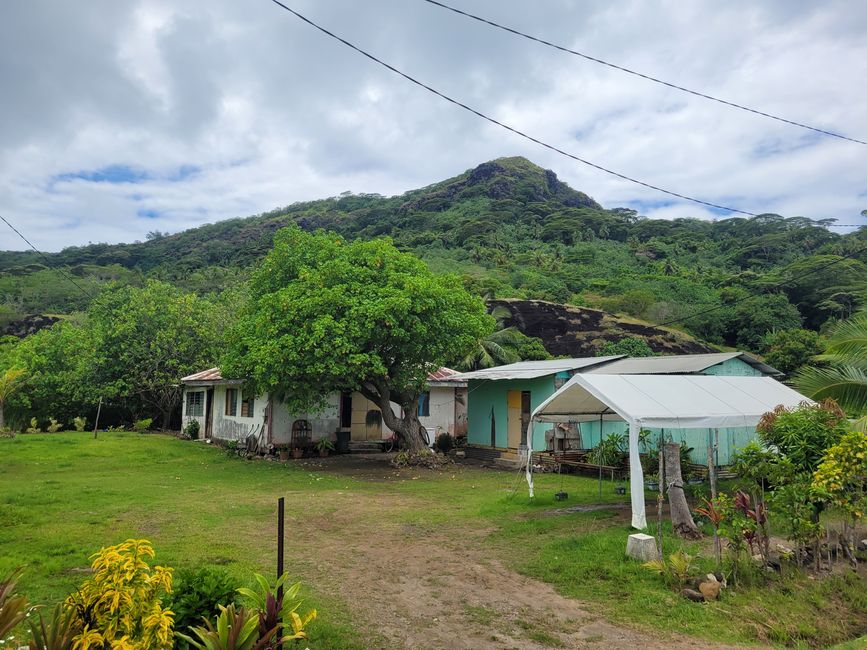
[{"x": 436, "y": 588}]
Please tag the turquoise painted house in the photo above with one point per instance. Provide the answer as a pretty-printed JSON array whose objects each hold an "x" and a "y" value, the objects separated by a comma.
[{"x": 501, "y": 399}]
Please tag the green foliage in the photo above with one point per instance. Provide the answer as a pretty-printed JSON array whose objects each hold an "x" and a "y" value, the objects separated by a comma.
[
  {"x": 676, "y": 571},
  {"x": 630, "y": 346},
  {"x": 236, "y": 628},
  {"x": 53, "y": 633},
  {"x": 324, "y": 444},
  {"x": 788, "y": 350},
  {"x": 13, "y": 607},
  {"x": 191, "y": 430},
  {"x": 53, "y": 425},
  {"x": 610, "y": 450},
  {"x": 279, "y": 612},
  {"x": 795, "y": 502},
  {"x": 842, "y": 474},
  {"x": 80, "y": 423},
  {"x": 142, "y": 425},
  {"x": 120, "y": 605},
  {"x": 326, "y": 315},
  {"x": 511, "y": 229},
  {"x": 197, "y": 594},
  {"x": 143, "y": 340},
  {"x": 34, "y": 426},
  {"x": 844, "y": 378},
  {"x": 803, "y": 434}
]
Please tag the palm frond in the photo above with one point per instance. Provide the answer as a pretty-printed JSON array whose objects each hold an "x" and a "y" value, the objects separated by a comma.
[
  {"x": 846, "y": 384},
  {"x": 848, "y": 340}
]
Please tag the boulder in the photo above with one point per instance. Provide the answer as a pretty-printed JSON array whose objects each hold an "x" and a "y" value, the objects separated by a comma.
[{"x": 692, "y": 595}]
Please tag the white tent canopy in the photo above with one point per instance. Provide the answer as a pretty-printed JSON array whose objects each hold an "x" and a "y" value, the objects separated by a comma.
[{"x": 662, "y": 401}]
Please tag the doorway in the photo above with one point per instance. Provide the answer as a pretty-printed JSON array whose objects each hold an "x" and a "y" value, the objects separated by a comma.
[{"x": 209, "y": 412}]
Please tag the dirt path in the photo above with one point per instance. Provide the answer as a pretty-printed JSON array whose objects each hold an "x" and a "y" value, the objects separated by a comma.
[{"x": 436, "y": 589}]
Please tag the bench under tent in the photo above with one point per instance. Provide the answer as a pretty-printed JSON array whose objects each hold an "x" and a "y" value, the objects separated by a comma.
[{"x": 661, "y": 402}]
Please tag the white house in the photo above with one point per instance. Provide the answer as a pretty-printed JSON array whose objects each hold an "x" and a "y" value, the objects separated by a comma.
[{"x": 226, "y": 411}]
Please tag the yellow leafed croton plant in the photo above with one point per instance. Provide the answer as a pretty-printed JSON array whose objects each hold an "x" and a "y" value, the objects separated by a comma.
[{"x": 119, "y": 606}]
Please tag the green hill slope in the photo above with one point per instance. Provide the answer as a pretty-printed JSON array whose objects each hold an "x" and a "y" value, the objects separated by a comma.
[{"x": 513, "y": 230}]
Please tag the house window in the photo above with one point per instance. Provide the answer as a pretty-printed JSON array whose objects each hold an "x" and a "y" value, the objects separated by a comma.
[
  {"x": 247, "y": 403},
  {"x": 196, "y": 403},
  {"x": 231, "y": 401},
  {"x": 424, "y": 404}
]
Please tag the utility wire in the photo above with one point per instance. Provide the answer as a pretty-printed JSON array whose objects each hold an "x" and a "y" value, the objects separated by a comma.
[
  {"x": 778, "y": 285},
  {"x": 47, "y": 259},
  {"x": 642, "y": 75},
  {"x": 506, "y": 126}
]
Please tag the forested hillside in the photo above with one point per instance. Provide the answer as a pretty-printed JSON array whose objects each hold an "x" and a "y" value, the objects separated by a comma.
[{"x": 512, "y": 230}]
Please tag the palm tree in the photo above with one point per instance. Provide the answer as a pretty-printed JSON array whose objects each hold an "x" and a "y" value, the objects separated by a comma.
[
  {"x": 496, "y": 349},
  {"x": 10, "y": 381},
  {"x": 844, "y": 378}
]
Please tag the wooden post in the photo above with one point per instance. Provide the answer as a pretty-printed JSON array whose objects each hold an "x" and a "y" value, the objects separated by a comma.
[
  {"x": 711, "y": 465},
  {"x": 280, "y": 521},
  {"x": 96, "y": 424}
]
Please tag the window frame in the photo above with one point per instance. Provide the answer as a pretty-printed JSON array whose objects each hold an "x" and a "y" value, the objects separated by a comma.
[
  {"x": 231, "y": 409},
  {"x": 200, "y": 403}
]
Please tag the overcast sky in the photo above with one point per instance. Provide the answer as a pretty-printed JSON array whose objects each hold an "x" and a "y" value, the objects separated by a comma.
[{"x": 118, "y": 118}]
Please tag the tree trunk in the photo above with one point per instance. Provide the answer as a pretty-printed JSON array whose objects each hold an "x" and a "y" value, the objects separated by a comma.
[
  {"x": 408, "y": 427},
  {"x": 2, "y": 418},
  {"x": 681, "y": 517}
]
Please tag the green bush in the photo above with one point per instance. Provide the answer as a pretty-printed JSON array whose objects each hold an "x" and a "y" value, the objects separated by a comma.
[
  {"x": 197, "y": 594},
  {"x": 54, "y": 426},
  {"x": 142, "y": 425},
  {"x": 192, "y": 429},
  {"x": 80, "y": 423}
]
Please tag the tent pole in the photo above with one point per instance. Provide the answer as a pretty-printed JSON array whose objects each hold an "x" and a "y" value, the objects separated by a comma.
[
  {"x": 599, "y": 458},
  {"x": 529, "y": 456},
  {"x": 711, "y": 465}
]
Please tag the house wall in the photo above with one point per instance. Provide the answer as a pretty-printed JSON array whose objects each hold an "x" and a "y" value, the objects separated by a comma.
[
  {"x": 733, "y": 368},
  {"x": 235, "y": 427},
  {"x": 324, "y": 424},
  {"x": 486, "y": 397},
  {"x": 445, "y": 415},
  {"x": 185, "y": 417}
]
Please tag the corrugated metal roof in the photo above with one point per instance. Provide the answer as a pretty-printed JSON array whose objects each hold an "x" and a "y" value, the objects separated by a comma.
[
  {"x": 678, "y": 364},
  {"x": 211, "y": 374},
  {"x": 534, "y": 369},
  {"x": 446, "y": 377},
  {"x": 440, "y": 376}
]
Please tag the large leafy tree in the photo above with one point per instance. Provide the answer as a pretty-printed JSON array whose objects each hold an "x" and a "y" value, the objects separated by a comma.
[
  {"x": 11, "y": 381},
  {"x": 843, "y": 373},
  {"x": 55, "y": 361},
  {"x": 142, "y": 340},
  {"x": 326, "y": 315}
]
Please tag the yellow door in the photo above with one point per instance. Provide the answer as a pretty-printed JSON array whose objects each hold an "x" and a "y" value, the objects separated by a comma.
[{"x": 513, "y": 402}]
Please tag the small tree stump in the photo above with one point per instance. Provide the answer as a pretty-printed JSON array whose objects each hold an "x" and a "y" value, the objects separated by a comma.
[{"x": 642, "y": 547}]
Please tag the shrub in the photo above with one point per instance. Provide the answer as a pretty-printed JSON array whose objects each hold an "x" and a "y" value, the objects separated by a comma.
[
  {"x": 676, "y": 571},
  {"x": 192, "y": 429},
  {"x": 34, "y": 426},
  {"x": 13, "y": 607},
  {"x": 80, "y": 423},
  {"x": 142, "y": 425},
  {"x": 444, "y": 443},
  {"x": 197, "y": 594},
  {"x": 54, "y": 426},
  {"x": 120, "y": 605}
]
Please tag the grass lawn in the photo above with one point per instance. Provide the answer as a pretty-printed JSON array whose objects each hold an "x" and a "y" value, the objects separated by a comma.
[{"x": 63, "y": 496}]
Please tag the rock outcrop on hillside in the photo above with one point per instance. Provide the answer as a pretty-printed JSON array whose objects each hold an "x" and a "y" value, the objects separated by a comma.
[{"x": 581, "y": 332}]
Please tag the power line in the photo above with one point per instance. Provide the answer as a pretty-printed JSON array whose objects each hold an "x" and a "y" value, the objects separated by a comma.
[
  {"x": 506, "y": 126},
  {"x": 779, "y": 285},
  {"x": 46, "y": 258},
  {"x": 642, "y": 75}
]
